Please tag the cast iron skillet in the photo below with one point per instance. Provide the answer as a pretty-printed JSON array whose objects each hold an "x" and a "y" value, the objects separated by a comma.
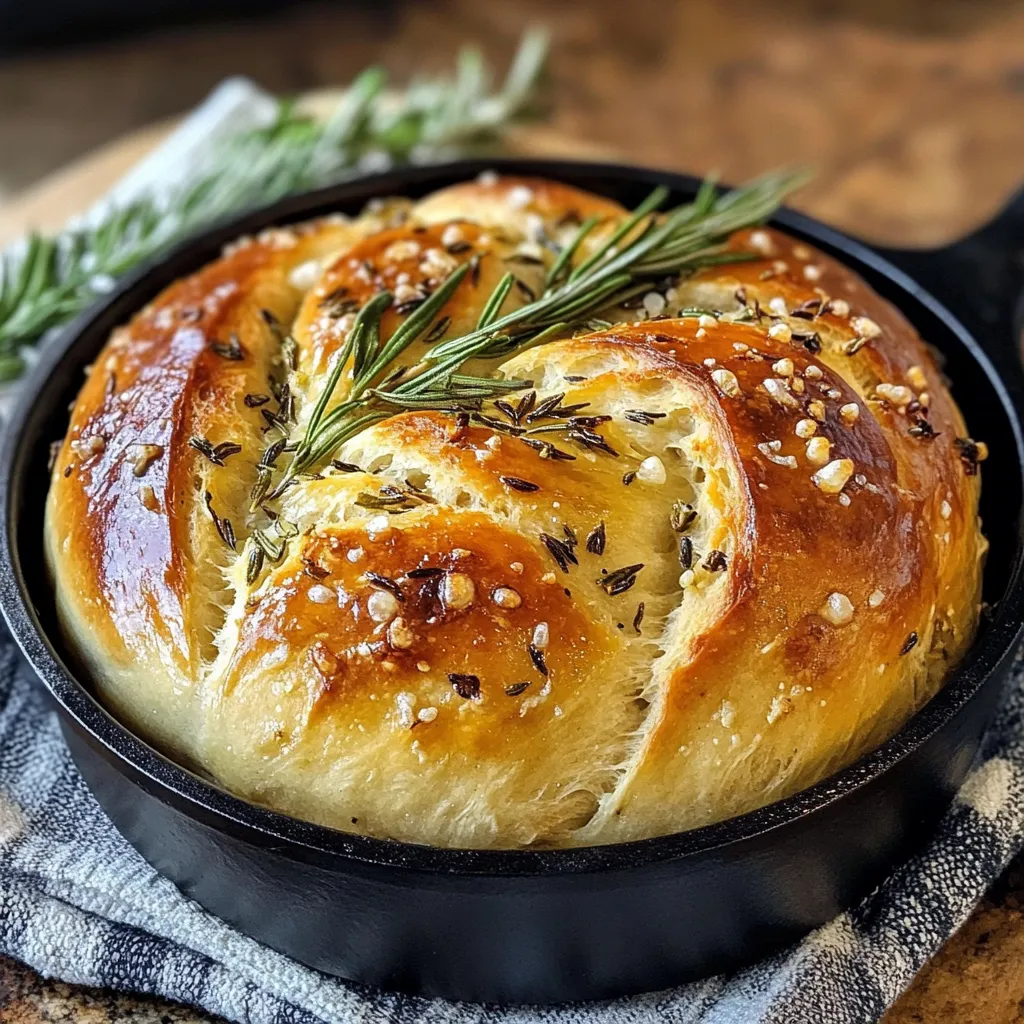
[{"x": 539, "y": 926}]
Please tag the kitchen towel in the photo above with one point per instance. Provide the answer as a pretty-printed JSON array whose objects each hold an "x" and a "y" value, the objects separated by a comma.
[{"x": 77, "y": 903}]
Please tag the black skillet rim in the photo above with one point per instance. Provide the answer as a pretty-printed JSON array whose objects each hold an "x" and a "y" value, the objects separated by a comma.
[{"x": 197, "y": 797}]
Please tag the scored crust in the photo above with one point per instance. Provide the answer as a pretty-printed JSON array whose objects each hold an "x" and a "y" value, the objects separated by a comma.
[{"x": 762, "y": 558}]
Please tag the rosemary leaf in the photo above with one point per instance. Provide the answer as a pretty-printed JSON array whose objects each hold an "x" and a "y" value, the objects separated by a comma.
[
  {"x": 493, "y": 304},
  {"x": 412, "y": 327},
  {"x": 566, "y": 255}
]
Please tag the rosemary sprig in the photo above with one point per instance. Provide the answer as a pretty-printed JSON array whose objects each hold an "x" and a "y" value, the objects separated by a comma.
[
  {"x": 44, "y": 281},
  {"x": 654, "y": 246}
]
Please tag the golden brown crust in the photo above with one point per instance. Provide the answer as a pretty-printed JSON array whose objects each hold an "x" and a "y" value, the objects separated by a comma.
[{"x": 448, "y": 673}]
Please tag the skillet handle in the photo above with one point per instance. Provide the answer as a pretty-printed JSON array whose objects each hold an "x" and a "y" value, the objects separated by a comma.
[{"x": 981, "y": 280}]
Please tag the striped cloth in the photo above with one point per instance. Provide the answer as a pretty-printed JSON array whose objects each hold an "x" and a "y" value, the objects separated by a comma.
[{"x": 77, "y": 903}]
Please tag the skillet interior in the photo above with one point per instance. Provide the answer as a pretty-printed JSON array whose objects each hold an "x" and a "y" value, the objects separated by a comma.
[{"x": 27, "y": 602}]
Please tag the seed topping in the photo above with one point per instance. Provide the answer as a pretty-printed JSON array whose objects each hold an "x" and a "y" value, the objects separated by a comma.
[
  {"x": 716, "y": 561},
  {"x": 561, "y": 552},
  {"x": 638, "y": 618},
  {"x": 466, "y": 685},
  {"x": 385, "y": 583},
  {"x": 231, "y": 349},
  {"x": 686, "y": 552},
  {"x": 971, "y": 452},
  {"x": 519, "y": 485},
  {"x": 537, "y": 657},
  {"x": 682, "y": 516},
  {"x": 216, "y": 454},
  {"x": 619, "y": 580}
]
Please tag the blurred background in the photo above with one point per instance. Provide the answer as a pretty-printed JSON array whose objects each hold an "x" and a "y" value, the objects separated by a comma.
[{"x": 911, "y": 110}]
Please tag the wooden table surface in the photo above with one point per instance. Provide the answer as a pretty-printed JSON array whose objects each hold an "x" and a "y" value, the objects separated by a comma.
[{"x": 912, "y": 112}]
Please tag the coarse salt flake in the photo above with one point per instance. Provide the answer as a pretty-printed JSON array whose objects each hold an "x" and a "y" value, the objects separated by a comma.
[
  {"x": 457, "y": 591},
  {"x": 654, "y": 304},
  {"x": 305, "y": 275},
  {"x": 451, "y": 235},
  {"x": 779, "y": 706},
  {"x": 838, "y": 609},
  {"x": 506, "y": 597},
  {"x": 403, "y": 249},
  {"x": 400, "y": 636},
  {"x": 519, "y": 197},
  {"x": 651, "y": 471},
  {"x": 382, "y": 606},
  {"x": 727, "y": 714}
]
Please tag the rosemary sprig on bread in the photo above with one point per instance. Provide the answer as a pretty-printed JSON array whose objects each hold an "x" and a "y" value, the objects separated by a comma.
[{"x": 646, "y": 247}]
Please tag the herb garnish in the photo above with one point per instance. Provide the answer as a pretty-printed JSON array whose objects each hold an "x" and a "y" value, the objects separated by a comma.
[{"x": 642, "y": 250}]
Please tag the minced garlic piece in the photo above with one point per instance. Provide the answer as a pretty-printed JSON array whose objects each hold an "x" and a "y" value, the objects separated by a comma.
[
  {"x": 831, "y": 479},
  {"x": 818, "y": 449},
  {"x": 865, "y": 327},
  {"x": 726, "y": 382}
]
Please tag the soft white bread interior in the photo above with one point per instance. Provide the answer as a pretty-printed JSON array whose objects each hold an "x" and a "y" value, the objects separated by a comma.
[{"x": 705, "y": 560}]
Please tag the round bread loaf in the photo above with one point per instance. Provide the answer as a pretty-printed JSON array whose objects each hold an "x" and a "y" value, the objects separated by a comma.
[{"x": 724, "y": 542}]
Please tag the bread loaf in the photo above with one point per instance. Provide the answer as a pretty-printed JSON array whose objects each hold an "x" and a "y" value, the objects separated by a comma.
[{"x": 723, "y": 542}]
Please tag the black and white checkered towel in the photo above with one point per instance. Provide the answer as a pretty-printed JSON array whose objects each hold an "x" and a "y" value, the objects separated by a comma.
[{"x": 79, "y": 904}]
